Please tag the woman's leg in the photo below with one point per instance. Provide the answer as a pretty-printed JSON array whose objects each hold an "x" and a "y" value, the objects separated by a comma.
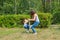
[{"x": 33, "y": 26}]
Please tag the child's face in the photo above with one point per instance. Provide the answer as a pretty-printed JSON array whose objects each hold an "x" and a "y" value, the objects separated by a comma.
[{"x": 25, "y": 21}]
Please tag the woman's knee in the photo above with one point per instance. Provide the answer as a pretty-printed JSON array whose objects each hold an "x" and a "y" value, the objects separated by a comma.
[{"x": 32, "y": 27}]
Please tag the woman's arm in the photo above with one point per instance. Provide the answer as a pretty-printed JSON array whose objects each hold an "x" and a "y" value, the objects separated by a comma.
[{"x": 33, "y": 19}]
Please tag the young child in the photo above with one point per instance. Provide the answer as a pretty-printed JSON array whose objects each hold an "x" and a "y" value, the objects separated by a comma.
[{"x": 26, "y": 24}]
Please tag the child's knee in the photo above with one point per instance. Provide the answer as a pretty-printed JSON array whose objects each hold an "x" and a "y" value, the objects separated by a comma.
[{"x": 25, "y": 27}]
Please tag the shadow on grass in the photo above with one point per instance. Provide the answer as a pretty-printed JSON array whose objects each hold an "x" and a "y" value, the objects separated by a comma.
[{"x": 24, "y": 32}]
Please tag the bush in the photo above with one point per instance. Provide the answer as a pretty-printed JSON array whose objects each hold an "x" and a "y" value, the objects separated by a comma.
[
  {"x": 56, "y": 15},
  {"x": 15, "y": 20},
  {"x": 11, "y": 20},
  {"x": 45, "y": 19}
]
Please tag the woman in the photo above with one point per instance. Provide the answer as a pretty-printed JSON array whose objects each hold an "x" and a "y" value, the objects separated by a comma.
[{"x": 34, "y": 17}]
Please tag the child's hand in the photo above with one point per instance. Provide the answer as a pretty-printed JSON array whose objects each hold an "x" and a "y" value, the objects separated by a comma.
[{"x": 26, "y": 21}]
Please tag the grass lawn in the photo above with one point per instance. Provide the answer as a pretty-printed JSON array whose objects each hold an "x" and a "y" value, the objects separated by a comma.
[{"x": 20, "y": 34}]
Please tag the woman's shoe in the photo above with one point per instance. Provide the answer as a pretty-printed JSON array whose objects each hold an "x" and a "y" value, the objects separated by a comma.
[{"x": 35, "y": 33}]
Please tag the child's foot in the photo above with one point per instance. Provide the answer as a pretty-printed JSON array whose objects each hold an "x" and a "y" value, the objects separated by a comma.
[{"x": 27, "y": 31}]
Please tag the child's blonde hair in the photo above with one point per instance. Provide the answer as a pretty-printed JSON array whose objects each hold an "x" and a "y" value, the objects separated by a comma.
[{"x": 23, "y": 20}]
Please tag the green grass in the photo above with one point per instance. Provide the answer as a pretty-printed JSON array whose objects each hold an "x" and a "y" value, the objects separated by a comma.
[{"x": 20, "y": 34}]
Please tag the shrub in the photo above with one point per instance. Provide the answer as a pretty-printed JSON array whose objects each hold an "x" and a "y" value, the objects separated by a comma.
[
  {"x": 11, "y": 20},
  {"x": 15, "y": 20},
  {"x": 45, "y": 19},
  {"x": 56, "y": 16}
]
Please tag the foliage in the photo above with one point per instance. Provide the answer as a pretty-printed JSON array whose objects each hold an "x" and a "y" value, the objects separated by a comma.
[
  {"x": 24, "y": 6},
  {"x": 20, "y": 6},
  {"x": 15, "y": 20},
  {"x": 11, "y": 20},
  {"x": 45, "y": 19},
  {"x": 56, "y": 16}
]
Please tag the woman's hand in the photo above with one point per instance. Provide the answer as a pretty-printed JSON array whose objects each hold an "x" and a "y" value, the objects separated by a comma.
[{"x": 28, "y": 19}]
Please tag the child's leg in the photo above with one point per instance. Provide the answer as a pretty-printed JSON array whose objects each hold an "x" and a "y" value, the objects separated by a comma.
[{"x": 26, "y": 26}]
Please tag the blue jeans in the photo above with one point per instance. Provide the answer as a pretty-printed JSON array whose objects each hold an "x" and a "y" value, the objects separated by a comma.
[
  {"x": 26, "y": 26},
  {"x": 35, "y": 24}
]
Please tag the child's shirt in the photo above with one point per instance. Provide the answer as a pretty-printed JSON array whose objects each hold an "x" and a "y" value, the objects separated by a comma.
[{"x": 25, "y": 24}]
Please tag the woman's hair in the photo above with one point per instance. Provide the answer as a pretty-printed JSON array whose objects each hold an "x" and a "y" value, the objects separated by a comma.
[{"x": 32, "y": 12}]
